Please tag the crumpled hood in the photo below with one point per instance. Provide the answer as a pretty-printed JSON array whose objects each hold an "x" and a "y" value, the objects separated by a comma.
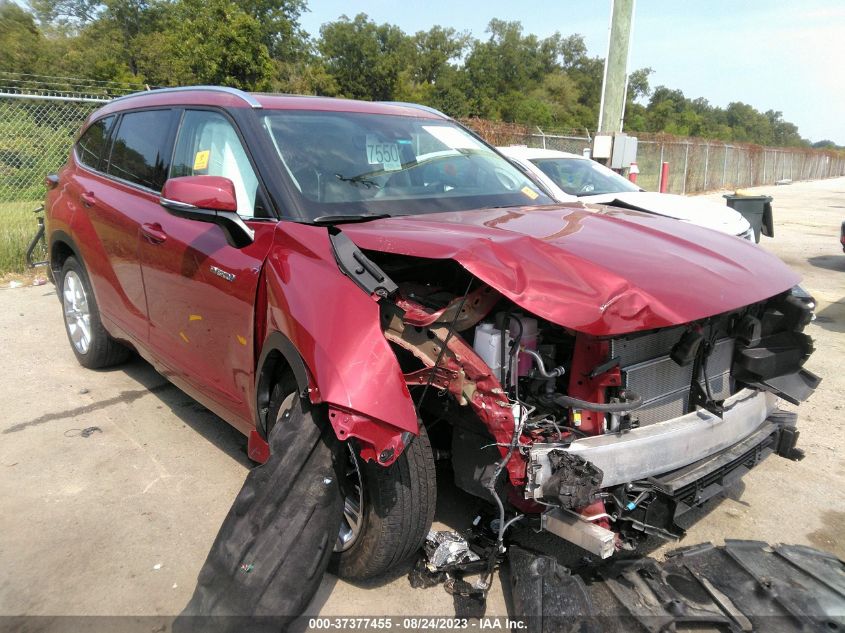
[
  {"x": 602, "y": 271},
  {"x": 706, "y": 213}
]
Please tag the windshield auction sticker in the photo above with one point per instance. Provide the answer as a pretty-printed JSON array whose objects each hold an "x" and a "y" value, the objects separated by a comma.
[
  {"x": 528, "y": 191},
  {"x": 385, "y": 154}
]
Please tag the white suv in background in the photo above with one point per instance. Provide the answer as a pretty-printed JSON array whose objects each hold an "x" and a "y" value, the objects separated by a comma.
[{"x": 570, "y": 177}]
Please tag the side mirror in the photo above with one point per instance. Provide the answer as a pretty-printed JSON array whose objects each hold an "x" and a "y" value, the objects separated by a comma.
[{"x": 207, "y": 199}]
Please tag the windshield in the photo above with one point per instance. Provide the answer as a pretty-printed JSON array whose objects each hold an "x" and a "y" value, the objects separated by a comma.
[
  {"x": 353, "y": 164},
  {"x": 583, "y": 177}
]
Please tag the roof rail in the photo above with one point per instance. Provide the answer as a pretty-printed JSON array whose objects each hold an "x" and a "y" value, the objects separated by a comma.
[
  {"x": 244, "y": 96},
  {"x": 417, "y": 106}
]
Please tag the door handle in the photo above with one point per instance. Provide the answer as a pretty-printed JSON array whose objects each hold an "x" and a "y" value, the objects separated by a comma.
[
  {"x": 153, "y": 233},
  {"x": 88, "y": 199}
]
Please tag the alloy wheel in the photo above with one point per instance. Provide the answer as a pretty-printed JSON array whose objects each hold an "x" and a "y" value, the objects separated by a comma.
[
  {"x": 77, "y": 312},
  {"x": 353, "y": 504}
]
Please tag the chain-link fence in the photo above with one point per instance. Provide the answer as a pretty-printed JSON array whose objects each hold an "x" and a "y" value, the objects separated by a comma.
[
  {"x": 697, "y": 165},
  {"x": 502, "y": 134},
  {"x": 694, "y": 165},
  {"x": 35, "y": 136},
  {"x": 36, "y": 133}
]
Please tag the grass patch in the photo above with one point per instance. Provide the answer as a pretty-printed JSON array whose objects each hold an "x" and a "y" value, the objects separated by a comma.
[{"x": 17, "y": 228}]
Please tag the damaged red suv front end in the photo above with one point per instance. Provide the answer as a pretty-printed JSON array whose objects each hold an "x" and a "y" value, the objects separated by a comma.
[
  {"x": 379, "y": 268},
  {"x": 634, "y": 365}
]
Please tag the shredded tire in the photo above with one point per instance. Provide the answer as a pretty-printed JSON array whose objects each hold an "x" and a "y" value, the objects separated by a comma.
[{"x": 274, "y": 546}]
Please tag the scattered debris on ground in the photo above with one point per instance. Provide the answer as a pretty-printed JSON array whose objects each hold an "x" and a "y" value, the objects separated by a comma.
[{"x": 741, "y": 586}]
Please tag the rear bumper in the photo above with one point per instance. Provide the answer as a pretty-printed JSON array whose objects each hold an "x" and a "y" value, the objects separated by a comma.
[{"x": 663, "y": 447}]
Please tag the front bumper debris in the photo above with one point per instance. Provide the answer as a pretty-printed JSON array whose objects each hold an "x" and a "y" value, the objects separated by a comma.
[
  {"x": 674, "y": 493},
  {"x": 657, "y": 448}
]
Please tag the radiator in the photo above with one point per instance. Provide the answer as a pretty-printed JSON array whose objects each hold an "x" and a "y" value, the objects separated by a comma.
[{"x": 664, "y": 386}]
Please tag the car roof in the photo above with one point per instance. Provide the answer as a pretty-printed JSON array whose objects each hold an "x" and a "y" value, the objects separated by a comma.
[
  {"x": 528, "y": 153},
  {"x": 233, "y": 98}
]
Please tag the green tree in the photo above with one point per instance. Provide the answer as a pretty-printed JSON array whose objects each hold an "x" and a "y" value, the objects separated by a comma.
[
  {"x": 68, "y": 13},
  {"x": 20, "y": 40},
  {"x": 207, "y": 42},
  {"x": 435, "y": 51},
  {"x": 364, "y": 59},
  {"x": 432, "y": 74},
  {"x": 278, "y": 22},
  {"x": 259, "y": 44},
  {"x": 507, "y": 63}
]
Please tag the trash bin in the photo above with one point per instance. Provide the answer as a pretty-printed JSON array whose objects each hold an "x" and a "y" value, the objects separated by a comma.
[{"x": 756, "y": 209}]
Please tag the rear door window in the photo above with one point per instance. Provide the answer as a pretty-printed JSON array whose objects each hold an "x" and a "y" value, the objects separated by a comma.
[
  {"x": 93, "y": 145},
  {"x": 142, "y": 147}
]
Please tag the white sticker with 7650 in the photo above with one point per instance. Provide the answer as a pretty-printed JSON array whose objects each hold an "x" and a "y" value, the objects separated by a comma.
[{"x": 385, "y": 154}]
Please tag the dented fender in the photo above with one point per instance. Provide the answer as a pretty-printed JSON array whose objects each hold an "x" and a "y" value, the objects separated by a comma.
[{"x": 335, "y": 329}]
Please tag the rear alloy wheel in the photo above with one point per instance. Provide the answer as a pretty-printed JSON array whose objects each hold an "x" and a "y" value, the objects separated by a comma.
[
  {"x": 91, "y": 344},
  {"x": 387, "y": 511},
  {"x": 77, "y": 313}
]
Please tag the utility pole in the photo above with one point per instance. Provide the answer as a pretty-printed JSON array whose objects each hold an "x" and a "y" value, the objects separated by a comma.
[{"x": 615, "y": 82}]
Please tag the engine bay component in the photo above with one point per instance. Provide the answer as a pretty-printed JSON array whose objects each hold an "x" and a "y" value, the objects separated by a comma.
[
  {"x": 583, "y": 533},
  {"x": 775, "y": 355},
  {"x": 628, "y": 401},
  {"x": 686, "y": 350},
  {"x": 574, "y": 481},
  {"x": 586, "y": 424},
  {"x": 443, "y": 548},
  {"x": 795, "y": 387}
]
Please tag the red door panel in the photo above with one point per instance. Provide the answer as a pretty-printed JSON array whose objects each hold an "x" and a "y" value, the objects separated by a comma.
[
  {"x": 201, "y": 321},
  {"x": 106, "y": 225}
]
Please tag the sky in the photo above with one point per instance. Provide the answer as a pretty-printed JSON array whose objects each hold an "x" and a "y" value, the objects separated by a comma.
[{"x": 771, "y": 54}]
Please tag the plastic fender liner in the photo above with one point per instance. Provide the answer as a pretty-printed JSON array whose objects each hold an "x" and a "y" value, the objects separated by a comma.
[
  {"x": 542, "y": 586},
  {"x": 742, "y": 586},
  {"x": 277, "y": 343},
  {"x": 275, "y": 543}
]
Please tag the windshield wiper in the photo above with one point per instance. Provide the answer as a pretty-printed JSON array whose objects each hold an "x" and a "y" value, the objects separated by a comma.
[
  {"x": 349, "y": 218},
  {"x": 362, "y": 179}
]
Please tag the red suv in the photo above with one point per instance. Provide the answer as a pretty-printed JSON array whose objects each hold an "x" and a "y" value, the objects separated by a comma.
[{"x": 596, "y": 370}]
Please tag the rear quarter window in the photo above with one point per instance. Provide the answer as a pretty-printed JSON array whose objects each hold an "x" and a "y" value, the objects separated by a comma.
[
  {"x": 92, "y": 146},
  {"x": 142, "y": 147}
]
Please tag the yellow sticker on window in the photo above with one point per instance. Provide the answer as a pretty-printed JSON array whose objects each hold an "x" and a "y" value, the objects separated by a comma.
[
  {"x": 201, "y": 160},
  {"x": 528, "y": 191}
]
